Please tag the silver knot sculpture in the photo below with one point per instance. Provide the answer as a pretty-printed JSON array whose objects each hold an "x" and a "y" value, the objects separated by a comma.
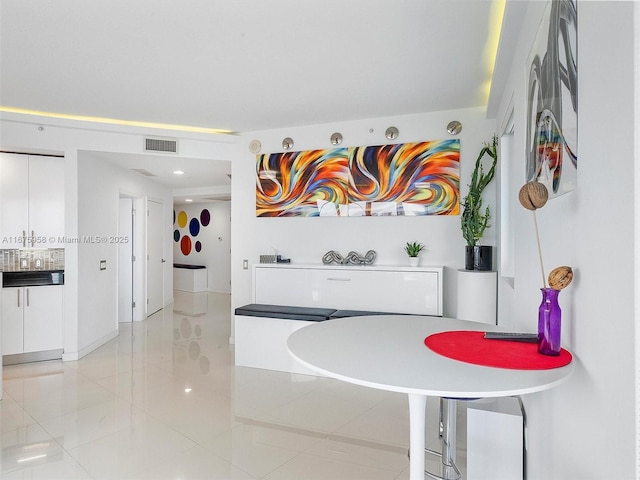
[{"x": 352, "y": 258}]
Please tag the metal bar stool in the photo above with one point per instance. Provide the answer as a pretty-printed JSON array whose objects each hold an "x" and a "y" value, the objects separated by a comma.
[{"x": 447, "y": 455}]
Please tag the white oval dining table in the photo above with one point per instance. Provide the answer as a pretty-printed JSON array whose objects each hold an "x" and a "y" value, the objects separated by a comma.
[{"x": 387, "y": 352}]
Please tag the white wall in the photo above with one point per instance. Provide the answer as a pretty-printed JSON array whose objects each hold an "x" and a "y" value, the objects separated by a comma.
[
  {"x": 306, "y": 240},
  {"x": 585, "y": 428},
  {"x": 216, "y": 243}
]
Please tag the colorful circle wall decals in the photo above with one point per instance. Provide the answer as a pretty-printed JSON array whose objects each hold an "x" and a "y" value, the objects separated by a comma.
[
  {"x": 195, "y": 224},
  {"x": 194, "y": 227},
  {"x": 185, "y": 245},
  {"x": 205, "y": 217},
  {"x": 182, "y": 219}
]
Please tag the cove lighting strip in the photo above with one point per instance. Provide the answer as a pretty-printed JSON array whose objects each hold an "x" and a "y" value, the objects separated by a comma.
[
  {"x": 491, "y": 47},
  {"x": 115, "y": 121}
]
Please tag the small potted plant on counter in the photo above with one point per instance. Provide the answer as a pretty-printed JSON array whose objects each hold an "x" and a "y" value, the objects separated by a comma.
[{"x": 413, "y": 249}]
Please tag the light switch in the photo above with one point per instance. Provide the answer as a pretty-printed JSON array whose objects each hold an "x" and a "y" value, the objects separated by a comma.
[
  {"x": 103, "y": 264},
  {"x": 245, "y": 264}
]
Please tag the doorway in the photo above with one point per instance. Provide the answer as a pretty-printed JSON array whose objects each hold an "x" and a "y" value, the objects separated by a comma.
[
  {"x": 155, "y": 257},
  {"x": 131, "y": 270},
  {"x": 126, "y": 260}
]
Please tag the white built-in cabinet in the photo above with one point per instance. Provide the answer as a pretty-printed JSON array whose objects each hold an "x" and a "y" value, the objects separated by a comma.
[
  {"x": 409, "y": 290},
  {"x": 31, "y": 319},
  {"x": 31, "y": 201}
]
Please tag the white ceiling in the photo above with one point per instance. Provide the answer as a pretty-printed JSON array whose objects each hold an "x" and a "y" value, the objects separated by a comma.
[
  {"x": 203, "y": 180},
  {"x": 245, "y": 65}
]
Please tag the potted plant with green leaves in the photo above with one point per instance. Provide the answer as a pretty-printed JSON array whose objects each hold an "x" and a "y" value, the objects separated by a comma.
[
  {"x": 413, "y": 249},
  {"x": 474, "y": 218}
]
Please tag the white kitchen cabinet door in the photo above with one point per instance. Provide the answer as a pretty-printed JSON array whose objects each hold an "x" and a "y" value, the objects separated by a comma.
[
  {"x": 46, "y": 201},
  {"x": 31, "y": 319},
  {"x": 31, "y": 201},
  {"x": 12, "y": 322},
  {"x": 43, "y": 318},
  {"x": 14, "y": 200}
]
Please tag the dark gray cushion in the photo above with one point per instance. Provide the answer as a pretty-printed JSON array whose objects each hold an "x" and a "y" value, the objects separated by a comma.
[
  {"x": 313, "y": 314},
  {"x": 356, "y": 313}
]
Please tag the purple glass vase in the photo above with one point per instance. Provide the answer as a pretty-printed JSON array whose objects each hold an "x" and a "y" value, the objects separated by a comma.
[{"x": 549, "y": 322}]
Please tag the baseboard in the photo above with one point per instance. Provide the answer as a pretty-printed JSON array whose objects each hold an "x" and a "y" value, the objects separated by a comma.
[
  {"x": 72, "y": 356},
  {"x": 17, "y": 358}
]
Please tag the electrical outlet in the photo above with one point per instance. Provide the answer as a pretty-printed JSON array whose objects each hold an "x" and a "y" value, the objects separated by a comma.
[
  {"x": 24, "y": 263},
  {"x": 38, "y": 263}
]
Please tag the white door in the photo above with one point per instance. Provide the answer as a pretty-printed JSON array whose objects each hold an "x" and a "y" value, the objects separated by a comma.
[
  {"x": 155, "y": 257},
  {"x": 125, "y": 261}
]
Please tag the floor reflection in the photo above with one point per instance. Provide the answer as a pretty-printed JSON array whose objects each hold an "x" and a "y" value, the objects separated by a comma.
[{"x": 192, "y": 304}]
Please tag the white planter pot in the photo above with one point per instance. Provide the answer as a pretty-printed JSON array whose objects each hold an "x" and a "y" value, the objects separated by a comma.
[{"x": 414, "y": 261}]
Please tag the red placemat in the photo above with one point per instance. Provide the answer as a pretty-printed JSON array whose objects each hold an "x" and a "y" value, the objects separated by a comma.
[{"x": 472, "y": 347}]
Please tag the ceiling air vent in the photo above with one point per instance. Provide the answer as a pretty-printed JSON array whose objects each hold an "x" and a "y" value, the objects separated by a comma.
[
  {"x": 160, "y": 145},
  {"x": 144, "y": 172}
]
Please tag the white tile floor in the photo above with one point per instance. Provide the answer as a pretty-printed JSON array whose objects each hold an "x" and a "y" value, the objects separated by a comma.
[{"x": 165, "y": 401}]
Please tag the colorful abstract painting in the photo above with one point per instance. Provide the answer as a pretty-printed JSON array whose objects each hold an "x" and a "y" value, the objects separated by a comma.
[
  {"x": 301, "y": 184},
  {"x": 405, "y": 179},
  {"x": 389, "y": 180}
]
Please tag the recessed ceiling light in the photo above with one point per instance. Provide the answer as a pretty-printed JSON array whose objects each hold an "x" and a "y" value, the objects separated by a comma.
[
  {"x": 178, "y": 172},
  {"x": 188, "y": 200}
]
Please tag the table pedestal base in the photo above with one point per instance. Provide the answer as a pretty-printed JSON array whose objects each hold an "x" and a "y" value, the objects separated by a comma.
[{"x": 417, "y": 417}]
